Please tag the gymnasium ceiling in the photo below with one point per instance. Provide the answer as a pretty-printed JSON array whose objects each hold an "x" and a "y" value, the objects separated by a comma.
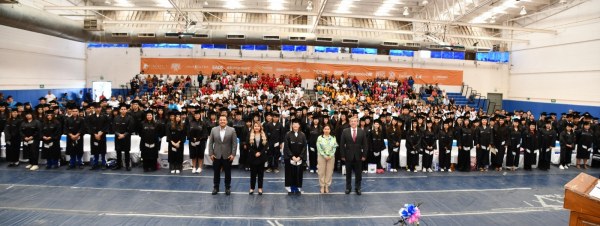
[{"x": 464, "y": 22}]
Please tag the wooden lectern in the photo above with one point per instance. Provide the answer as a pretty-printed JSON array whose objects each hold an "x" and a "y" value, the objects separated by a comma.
[{"x": 585, "y": 209}]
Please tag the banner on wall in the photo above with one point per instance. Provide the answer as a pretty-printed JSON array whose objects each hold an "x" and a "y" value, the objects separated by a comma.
[{"x": 192, "y": 66}]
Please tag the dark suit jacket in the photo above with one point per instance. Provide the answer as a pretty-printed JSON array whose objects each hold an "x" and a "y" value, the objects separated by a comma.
[
  {"x": 257, "y": 147},
  {"x": 354, "y": 150}
]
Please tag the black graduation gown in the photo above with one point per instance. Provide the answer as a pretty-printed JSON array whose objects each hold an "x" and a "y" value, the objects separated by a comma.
[
  {"x": 500, "y": 143},
  {"x": 12, "y": 136},
  {"x": 413, "y": 147},
  {"x": 197, "y": 136},
  {"x": 531, "y": 144},
  {"x": 513, "y": 153},
  {"x": 377, "y": 144},
  {"x": 295, "y": 146},
  {"x": 566, "y": 152},
  {"x": 465, "y": 141},
  {"x": 150, "y": 143},
  {"x": 123, "y": 125},
  {"x": 429, "y": 145},
  {"x": 484, "y": 137},
  {"x": 31, "y": 129},
  {"x": 548, "y": 141},
  {"x": 275, "y": 134},
  {"x": 98, "y": 123},
  {"x": 51, "y": 148},
  {"x": 175, "y": 154},
  {"x": 445, "y": 141},
  {"x": 74, "y": 126},
  {"x": 313, "y": 133},
  {"x": 585, "y": 139},
  {"x": 394, "y": 136}
]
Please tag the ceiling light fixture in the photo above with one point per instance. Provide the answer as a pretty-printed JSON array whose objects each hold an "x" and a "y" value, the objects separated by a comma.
[
  {"x": 205, "y": 2},
  {"x": 386, "y": 7},
  {"x": 276, "y": 5},
  {"x": 425, "y": 2},
  {"x": 344, "y": 6},
  {"x": 493, "y": 20},
  {"x": 562, "y": 1},
  {"x": 405, "y": 13},
  {"x": 523, "y": 11},
  {"x": 233, "y": 4},
  {"x": 309, "y": 7}
]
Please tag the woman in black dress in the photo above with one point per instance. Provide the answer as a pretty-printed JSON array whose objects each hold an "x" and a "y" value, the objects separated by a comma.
[
  {"x": 413, "y": 147},
  {"x": 313, "y": 132},
  {"x": 294, "y": 150},
  {"x": 31, "y": 134},
  {"x": 394, "y": 136},
  {"x": 150, "y": 134},
  {"x": 514, "y": 144},
  {"x": 12, "y": 138},
  {"x": 176, "y": 132},
  {"x": 197, "y": 135},
  {"x": 531, "y": 145},
  {"x": 51, "y": 132},
  {"x": 257, "y": 143},
  {"x": 429, "y": 138},
  {"x": 465, "y": 144},
  {"x": 501, "y": 131},
  {"x": 445, "y": 137},
  {"x": 567, "y": 145},
  {"x": 376, "y": 144},
  {"x": 585, "y": 139},
  {"x": 547, "y": 143}
]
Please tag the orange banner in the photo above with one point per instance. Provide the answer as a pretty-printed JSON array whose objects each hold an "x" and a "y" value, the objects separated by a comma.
[{"x": 189, "y": 66}]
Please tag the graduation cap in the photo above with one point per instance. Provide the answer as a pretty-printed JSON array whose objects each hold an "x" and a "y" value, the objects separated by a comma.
[
  {"x": 552, "y": 114},
  {"x": 377, "y": 121},
  {"x": 532, "y": 123},
  {"x": 428, "y": 121},
  {"x": 396, "y": 118},
  {"x": 475, "y": 120},
  {"x": 587, "y": 115},
  {"x": 49, "y": 112},
  {"x": 42, "y": 98},
  {"x": 174, "y": 112},
  {"x": 344, "y": 112},
  {"x": 296, "y": 121},
  {"x": 569, "y": 124},
  {"x": 275, "y": 114},
  {"x": 354, "y": 111},
  {"x": 485, "y": 118},
  {"x": 123, "y": 105},
  {"x": 548, "y": 121},
  {"x": 149, "y": 111},
  {"x": 224, "y": 109},
  {"x": 544, "y": 114},
  {"x": 27, "y": 112},
  {"x": 27, "y": 103},
  {"x": 19, "y": 104},
  {"x": 586, "y": 123},
  {"x": 448, "y": 121},
  {"x": 115, "y": 109}
]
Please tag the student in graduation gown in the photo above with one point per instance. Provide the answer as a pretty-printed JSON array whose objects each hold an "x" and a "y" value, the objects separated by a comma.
[
  {"x": 567, "y": 145},
  {"x": 484, "y": 139},
  {"x": 276, "y": 133},
  {"x": 257, "y": 156},
  {"x": 547, "y": 142},
  {"x": 74, "y": 129},
  {"x": 295, "y": 158},
  {"x": 314, "y": 130},
  {"x": 445, "y": 138},
  {"x": 31, "y": 134},
  {"x": 197, "y": 136},
  {"x": 531, "y": 145},
  {"x": 51, "y": 132},
  {"x": 513, "y": 153},
  {"x": 98, "y": 126},
  {"x": 429, "y": 142},
  {"x": 413, "y": 147},
  {"x": 394, "y": 136},
  {"x": 376, "y": 144},
  {"x": 465, "y": 144},
  {"x": 149, "y": 141},
  {"x": 12, "y": 136},
  {"x": 585, "y": 138},
  {"x": 176, "y": 133},
  {"x": 123, "y": 125},
  {"x": 500, "y": 143}
]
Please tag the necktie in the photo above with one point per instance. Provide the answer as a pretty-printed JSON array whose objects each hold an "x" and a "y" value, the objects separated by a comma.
[{"x": 354, "y": 135}]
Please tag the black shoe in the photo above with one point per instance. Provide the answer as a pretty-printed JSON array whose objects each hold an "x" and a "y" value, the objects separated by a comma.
[
  {"x": 103, "y": 167},
  {"x": 260, "y": 193},
  {"x": 215, "y": 191},
  {"x": 117, "y": 168},
  {"x": 128, "y": 168},
  {"x": 80, "y": 166},
  {"x": 358, "y": 192},
  {"x": 251, "y": 192},
  {"x": 70, "y": 167},
  {"x": 48, "y": 166},
  {"x": 298, "y": 193},
  {"x": 347, "y": 191},
  {"x": 94, "y": 168},
  {"x": 290, "y": 193},
  {"x": 227, "y": 191}
]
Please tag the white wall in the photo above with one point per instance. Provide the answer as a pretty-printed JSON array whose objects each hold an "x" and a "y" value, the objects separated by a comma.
[
  {"x": 120, "y": 65},
  {"x": 563, "y": 66},
  {"x": 116, "y": 65},
  {"x": 29, "y": 59}
]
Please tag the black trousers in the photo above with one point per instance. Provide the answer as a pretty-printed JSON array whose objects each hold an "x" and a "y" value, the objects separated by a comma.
[
  {"x": 13, "y": 150},
  {"x": 444, "y": 158},
  {"x": 121, "y": 146},
  {"x": 427, "y": 159},
  {"x": 565, "y": 155},
  {"x": 256, "y": 170},
  {"x": 356, "y": 167},
  {"x": 274, "y": 156},
  {"x": 33, "y": 151},
  {"x": 498, "y": 158},
  {"x": 512, "y": 157},
  {"x": 226, "y": 165},
  {"x": 483, "y": 157}
]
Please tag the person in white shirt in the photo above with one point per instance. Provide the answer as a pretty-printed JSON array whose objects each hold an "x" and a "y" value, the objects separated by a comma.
[{"x": 50, "y": 97}]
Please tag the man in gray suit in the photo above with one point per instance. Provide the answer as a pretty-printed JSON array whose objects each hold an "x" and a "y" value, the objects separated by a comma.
[{"x": 222, "y": 150}]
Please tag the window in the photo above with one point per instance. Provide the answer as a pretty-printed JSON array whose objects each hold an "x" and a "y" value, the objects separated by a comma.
[
  {"x": 107, "y": 45},
  {"x": 399, "y": 52},
  {"x": 448, "y": 55},
  {"x": 213, "y": 46},
  {"x": 326, "y": 49},
  {"x": 364, "y": 51},
  {"x": 292, "y": 48},
  {"x": 168, "y": 45},
  {"x": 254, "y": 47},
  {"x": 501, "y": 57}
]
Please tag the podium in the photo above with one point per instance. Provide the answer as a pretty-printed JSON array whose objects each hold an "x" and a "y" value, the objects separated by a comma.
[{"x": 585, "y": 209}]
